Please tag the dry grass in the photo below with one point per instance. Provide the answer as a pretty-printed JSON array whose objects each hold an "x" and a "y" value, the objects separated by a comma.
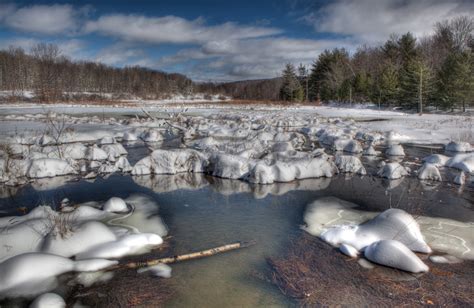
[{"x": 314, "y": 274}]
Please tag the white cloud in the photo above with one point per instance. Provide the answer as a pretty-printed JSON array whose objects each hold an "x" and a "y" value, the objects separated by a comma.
[
  {"x": 371, "y": 21},
  {"x": 120, "y": 54},
  {"x": 171, "y": 29},
  {"x": 250, "y": 58},
  {"x": 44, "y": 19}
]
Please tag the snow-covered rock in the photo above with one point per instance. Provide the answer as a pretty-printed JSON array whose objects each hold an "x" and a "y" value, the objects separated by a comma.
[
  {"x": 153, "y": 135},
  {"x": 35, "y": 273},
  {"x": 370, "y": 151},
  {"x": 350, "y": 164},
  {"x": 395, "y": 150},
  {"x": 96, "y": 153},
  {"x": 115, "y": 205},
  {"x": 391, "y": 224},
  {"x": 128, "y": 245},
  {"x": 170, "y": 162},
  {"x": 464, "y": 162},
  {"x": 392, "y": 171},
  {"x": 107, "y": 140},
  {"x": 460, "y": 179},
  {"x": 458, "y": 147},
  {"x": 48, "y": 300},
  {"x": 394, "y": 254},
  {"x": 49, "y": 167},
  {"x": 129, "y": 136},
  {"x": 436, "y": 159},
  {"x": 114, "y": 150},
  {"x": 429, "y": 172}
]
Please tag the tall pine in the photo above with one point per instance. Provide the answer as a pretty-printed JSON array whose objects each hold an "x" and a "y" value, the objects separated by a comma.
[{"x": 291, "y": 89}]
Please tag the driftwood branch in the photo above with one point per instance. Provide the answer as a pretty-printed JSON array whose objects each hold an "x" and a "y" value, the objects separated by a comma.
[{"x": 185, "y": 257}]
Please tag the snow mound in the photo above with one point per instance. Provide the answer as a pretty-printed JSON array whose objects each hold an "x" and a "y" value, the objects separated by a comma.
[
  {"x": 392, "y": 171},
  {"x": 458, "y": 147},
  {"x": 394, "y": 254},
  {"x": 95, "y": 153},
  {"x": 429, "y": 172},
  {"x": 129, "y": 136},
  {"x": 436, "y": 159},
  {"x": 464, "y": 162},
  {"x": 370, "y": 151},
  {"x": 350, "y": 164},
  {"x": 395, "y": 150},
  {"x": 48, "y": 300},
  {"x": 84, "y": 237},
  {"x": 391, "y": 224},
  {"x": 116, "y": 205},
  {"x": 49, "y": 167},
  {"x": 114, "y": 150},
  {"x": 30, "y": 274},
  {"x": 170, "y": 162},
  {"x": 128, "y": 245}
]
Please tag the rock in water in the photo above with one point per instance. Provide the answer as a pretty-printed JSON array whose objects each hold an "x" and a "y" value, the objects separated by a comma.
[
  {"x": 48, "y": 300},
  {"x": 116, "y": 205},
  {"x": 394, "y": 254}
]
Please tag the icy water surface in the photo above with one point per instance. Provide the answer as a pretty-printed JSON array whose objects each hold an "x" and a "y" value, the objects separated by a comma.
[{"x": 202, "y": 212}]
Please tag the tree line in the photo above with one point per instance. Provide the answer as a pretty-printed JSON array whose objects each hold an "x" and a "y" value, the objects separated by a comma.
[
  {"x": 54, "y": 77},
  {"x": 436, "y": 71}
]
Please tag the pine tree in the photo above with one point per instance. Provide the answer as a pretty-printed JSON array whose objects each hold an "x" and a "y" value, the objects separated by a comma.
[
  {"x": 389, "y": 85},
  {"x": 416, "y": 85},
  {"x": 291, "y": 89},
  {"x": 456, "y": 80}
]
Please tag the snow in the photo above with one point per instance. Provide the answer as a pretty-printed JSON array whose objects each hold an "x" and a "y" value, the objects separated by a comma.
[
  {"x": 343, "y": 218},
  {"x": 30, "y": 274},
  {"x": 464, "y": 162},
  {"x": 116, "y": 205},
  {"x": 458, "y": 147},
  {"x": 48, "y": 300},
  {"x": 395, "y": 254},
  {"x": 395, "y": 150},
  {"x": 438, "y": 160},
  {"x": 96, "y": 153},
  {"x": 49, "y": 167},
  {"x": 159, "y": 270},
  {"x": 429, "y": 172},
  {"x": 350, "y": 164},
  {"x": 392, "y": 171}
]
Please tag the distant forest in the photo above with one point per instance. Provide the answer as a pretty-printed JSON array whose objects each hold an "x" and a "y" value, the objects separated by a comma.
[{"x": 436, "y": 71}]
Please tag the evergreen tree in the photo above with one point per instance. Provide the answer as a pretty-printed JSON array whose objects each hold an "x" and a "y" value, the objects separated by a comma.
[
  {"x": 389, "y": 86},
  {"x": 416, "y": 85},
  {"x": 456, "y": 80},
  {"x": 291, "y": 89}
]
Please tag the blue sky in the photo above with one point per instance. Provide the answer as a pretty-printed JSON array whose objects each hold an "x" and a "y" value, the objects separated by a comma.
[{"x": 215, "y": 40}]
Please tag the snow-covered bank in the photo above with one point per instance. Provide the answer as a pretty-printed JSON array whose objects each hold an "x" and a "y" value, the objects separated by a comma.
[
  {"x": 264, "y": 146},
  {"x": 38, "y": 247}
]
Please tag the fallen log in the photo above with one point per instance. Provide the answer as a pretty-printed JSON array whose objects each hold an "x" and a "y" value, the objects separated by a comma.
[{"x": 185, "y": 257}]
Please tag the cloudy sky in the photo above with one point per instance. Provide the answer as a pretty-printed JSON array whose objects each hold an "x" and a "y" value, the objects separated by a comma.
[{"x": 216, "y": 40}]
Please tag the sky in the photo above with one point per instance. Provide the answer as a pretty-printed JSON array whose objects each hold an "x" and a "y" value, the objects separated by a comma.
[{"x": 212, "y": 40}]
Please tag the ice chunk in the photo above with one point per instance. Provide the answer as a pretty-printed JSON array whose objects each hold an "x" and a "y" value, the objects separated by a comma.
[
  {"x": 350, "y": 164},
  {"x": 436, "y": 159}
]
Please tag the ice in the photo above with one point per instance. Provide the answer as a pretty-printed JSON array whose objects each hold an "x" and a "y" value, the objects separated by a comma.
[
  {"x": 48, "y": 300},
  {"x": 170, "y": 162},
  {"x": 114, "y": 150},
  {"x": 96, "y": 153},
  {"x": 395, "y": 254}
]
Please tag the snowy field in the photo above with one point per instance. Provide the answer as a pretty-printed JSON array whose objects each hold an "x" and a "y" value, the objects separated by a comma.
[{"x": 266, "y": 150}]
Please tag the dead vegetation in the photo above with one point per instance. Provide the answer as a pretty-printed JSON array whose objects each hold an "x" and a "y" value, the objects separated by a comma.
[{"x": 314, "y": 274}]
